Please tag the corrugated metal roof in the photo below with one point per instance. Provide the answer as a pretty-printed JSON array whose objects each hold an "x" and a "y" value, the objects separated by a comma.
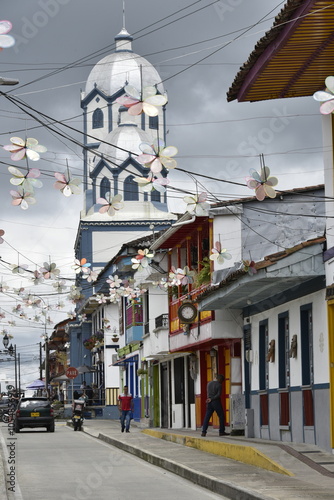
[{"x": 293, "y": 58}]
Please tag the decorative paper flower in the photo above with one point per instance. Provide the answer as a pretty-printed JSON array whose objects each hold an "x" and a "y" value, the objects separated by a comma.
[
  {"x": 6, "y": 40},
  {"x": 37, "y": 277},
  {"x": 31, "y": 301},
  {"x": 139, "y": 102},
  {"x": 19, "y": 269},
  {"x": 36, "y": 318},
  {"x": 142, "y": 259},
  {"x": 22, "y": 198},
  {"x": 81, "y": 266},
  {"x": 249, "y": 267},
  {"x": 2, "y": 315},
  {"x": 17, "y": 309},
  {"x": 101, "y": 298},
  {"x": 219, "y": 254},
  {"x": 67, "y": 185},
  {"x": 114, "y": 281},
  {"x": 28, "y": 181},
  {"x": 181, "y": 276},
  {"x": 157, "y": 156},
  {"x": 48, "y": 321},
  {"x": 110, "y": 204},
  {"x": 59, "y": 286},
  {"x": 75, "y": 294},
  {"x": 197, "y": 204},
  {"x": 18, "y": 291},
  {"x": 262, "y": 183},
  {"x": 2, "y": 232},
  {"x": 60, "y": 305},
  {"x": 326, "y": 97},
  {"x": 22, "y": 149},
  {"x": 162, "y": 284},
  {"x": 152, "y": 183},
  {"x": 11, "y": 322},
  {"x": 91, "y": 276},
  {"x": 3, "y": 287},
  {"x": 49, "y": 270},
  {"x": 116, "y": 295}
]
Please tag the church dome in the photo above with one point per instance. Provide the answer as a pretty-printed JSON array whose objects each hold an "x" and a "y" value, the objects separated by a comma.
[
  {"x": 122, "y": 67},
  {"x": 126, "y": 136}
]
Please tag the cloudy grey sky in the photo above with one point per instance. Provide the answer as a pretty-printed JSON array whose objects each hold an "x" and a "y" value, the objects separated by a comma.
[{"x": 213, "y": 137}]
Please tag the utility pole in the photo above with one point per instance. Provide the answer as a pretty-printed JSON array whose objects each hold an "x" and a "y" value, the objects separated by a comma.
[{"x": 40, "y": 361}]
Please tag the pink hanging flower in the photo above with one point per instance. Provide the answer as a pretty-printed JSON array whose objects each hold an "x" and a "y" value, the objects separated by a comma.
[
  {"x": 28, "y": 181},
  {"x": 326, "y": 97},
  {"x": 81, "y": 266},
  {"x": 197, "y": 204},
  {"x": 21, "y": 149},
  {"x": 181, "y": 276},
  {"x": 157, "y": 156},
  {"x": 142, "y": 259},
  {"x": 22, "y": 198},
  {"x": 110, "y": 204},
  {"x": 49, "y": 270},
  {"x": 249, "y": 267},
  {"x": 6, "y": 40},
  {"x": 219, "y": 254},
  {"x": 142, "y": 102},
  {"x": 262, "y": 183},
  {"x": 152, "y": 183},
  {"x": 66, "y": 184}
]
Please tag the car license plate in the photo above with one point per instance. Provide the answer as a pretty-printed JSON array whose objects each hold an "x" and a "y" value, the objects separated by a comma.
[
  {"x": 34, "y": 414},
  {"x": 76, "y": 417}
]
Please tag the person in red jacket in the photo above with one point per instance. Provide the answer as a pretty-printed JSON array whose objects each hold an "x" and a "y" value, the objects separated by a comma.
[{"x": 125, "y": 406}]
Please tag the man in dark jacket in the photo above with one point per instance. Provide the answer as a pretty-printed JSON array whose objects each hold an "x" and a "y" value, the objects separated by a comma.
[{"x": 214, "y": 404}]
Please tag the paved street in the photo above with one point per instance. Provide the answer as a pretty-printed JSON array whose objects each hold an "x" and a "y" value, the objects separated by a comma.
[{"x": 68, "y": 465}]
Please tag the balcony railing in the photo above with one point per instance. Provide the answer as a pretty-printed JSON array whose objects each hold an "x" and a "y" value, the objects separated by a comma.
[{"x": 162, "y": 321}]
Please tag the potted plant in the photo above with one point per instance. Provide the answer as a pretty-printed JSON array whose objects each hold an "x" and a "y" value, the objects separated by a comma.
[
  {"x": 141, "y": 371},
  {"x": 115, "y": 337}
]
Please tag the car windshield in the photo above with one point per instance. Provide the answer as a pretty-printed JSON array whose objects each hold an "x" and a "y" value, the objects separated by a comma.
[{"x": 34, "y": 403}]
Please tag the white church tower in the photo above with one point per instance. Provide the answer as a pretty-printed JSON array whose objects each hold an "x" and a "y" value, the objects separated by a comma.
[{"x": 111, "y": 145}]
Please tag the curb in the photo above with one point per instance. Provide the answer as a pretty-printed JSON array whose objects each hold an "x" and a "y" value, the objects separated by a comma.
[
  {"x": 224, "y": 488},
  {"x": 238, "y": 452}
]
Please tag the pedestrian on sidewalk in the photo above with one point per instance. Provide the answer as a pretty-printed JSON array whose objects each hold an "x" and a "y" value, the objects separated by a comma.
[
  {"x": 125, "y": 406},
  {"x": 214, "y": 404}
]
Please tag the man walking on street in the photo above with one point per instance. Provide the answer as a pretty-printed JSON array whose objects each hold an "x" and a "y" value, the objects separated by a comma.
[
  {"x": 214, "y": 404},
  {"x": 125, "y": 406}
]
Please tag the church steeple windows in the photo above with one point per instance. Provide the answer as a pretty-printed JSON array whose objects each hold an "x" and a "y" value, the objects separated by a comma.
[
  {"x": 131, "y": 192},
  {"x": 104, "y": 187},
  {"x": 155, "y": 196},
  {"x": 98, "y": 119},
  {"x": 153, "y": 122}
]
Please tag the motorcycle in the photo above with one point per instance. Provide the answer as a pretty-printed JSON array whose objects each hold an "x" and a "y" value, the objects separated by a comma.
[{"x": 77, "y": 414}]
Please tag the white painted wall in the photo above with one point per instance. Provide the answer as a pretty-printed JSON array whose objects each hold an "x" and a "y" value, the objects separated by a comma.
[
  {"x": 320, "y": 340},
  {"x": 227, "y": 230}
]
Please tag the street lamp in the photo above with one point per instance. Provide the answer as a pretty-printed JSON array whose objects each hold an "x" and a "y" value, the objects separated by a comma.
[
  {"x": 12, "y": 352},
  {"x": 8, "y": 81}
]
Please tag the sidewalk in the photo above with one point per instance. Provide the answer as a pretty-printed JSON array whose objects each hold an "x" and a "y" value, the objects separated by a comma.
[{"x": 301, "y": 471}]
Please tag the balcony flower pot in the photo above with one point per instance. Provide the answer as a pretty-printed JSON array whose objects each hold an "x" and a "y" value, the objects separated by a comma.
[{"x": 115, "y": 338}]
